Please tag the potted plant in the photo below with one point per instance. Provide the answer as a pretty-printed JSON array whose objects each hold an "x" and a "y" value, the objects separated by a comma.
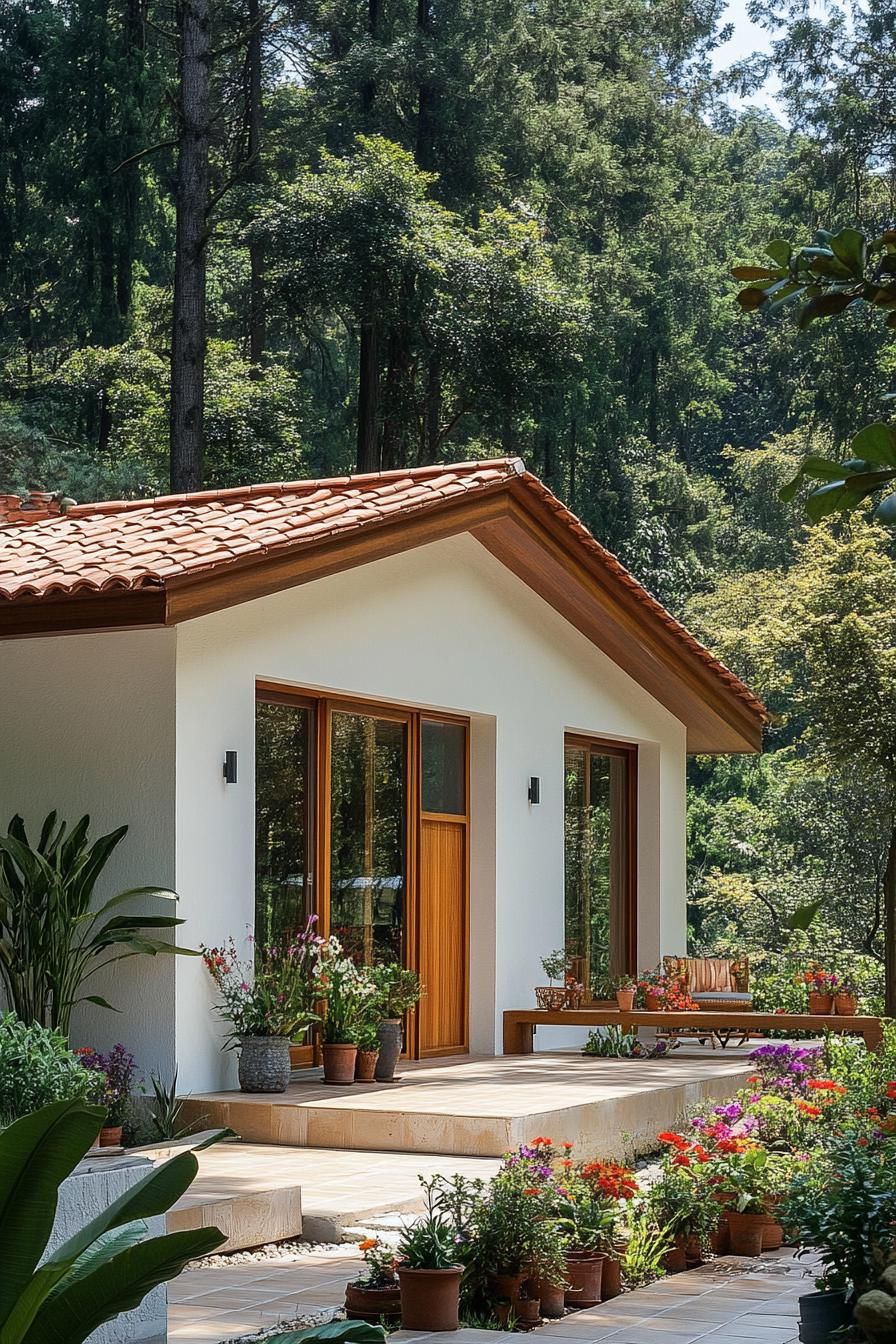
[
  {"x": 397, "y": 992},
  {"x": 368, "y": 1053},
  {"x": 375, "y": 1295},
  {"x": 268, "y": 1000},
  {"x": 678, "y": 1202},
  {"x": 846, "y": 997},
  {"x": 551, "y": 996},
  {"x": 575, "y": 992},
  {"x": 618, "y": 1186},
  {"x": 841, "y": 1207},
  {"x": 517, "y": 1242},
  {"x": 428, "y": 1271},
  {"x": 820, "y": 986},
  {"x": 742, "y": 1181},
  {"x": 653, "y": 985},
  {"x": 587, "y": 1219},
  {"x": 626, "y": 987},
  {"x": 348, "y": 991},
  {"x": 115, "y": 1072}
]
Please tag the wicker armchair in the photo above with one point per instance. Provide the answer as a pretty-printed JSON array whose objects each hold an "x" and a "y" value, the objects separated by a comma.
[{"x": 714, "y": 982}]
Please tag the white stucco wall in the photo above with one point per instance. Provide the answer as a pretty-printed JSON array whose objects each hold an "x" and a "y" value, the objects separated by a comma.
[
  {"x": 132, "y": 727},
  {"x": 444, "y": 627},
  {"x": 87, "y": 725}
]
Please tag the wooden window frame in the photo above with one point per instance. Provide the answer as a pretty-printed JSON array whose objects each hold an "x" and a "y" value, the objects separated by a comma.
[
  {"x": 325, "y": 704},
  {"x": 627, "y": 751}
]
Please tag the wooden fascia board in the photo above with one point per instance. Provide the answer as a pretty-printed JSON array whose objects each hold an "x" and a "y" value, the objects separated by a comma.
[
  {"x": 546, "y": 558},
  {"x": 118, "y": 609}
]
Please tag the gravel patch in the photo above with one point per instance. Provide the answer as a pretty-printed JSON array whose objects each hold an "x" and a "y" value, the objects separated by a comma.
[
  {"x": 278, "y": 1250},
  {"x": 322, "y": 1317}
]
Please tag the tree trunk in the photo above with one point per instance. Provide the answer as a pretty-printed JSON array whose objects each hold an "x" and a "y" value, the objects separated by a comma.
[
  {"x": 368, "y": 396},
  {"x": 256, "y": 246},
  {"x": 189, "y": 327},
  {"x": 890, "y": 928},
  {"x": 432, "y": 412},
  {"x": 426, "y": 94},
  {"x": 132, "y": 137},
  {"x": 368, "y": 91}
]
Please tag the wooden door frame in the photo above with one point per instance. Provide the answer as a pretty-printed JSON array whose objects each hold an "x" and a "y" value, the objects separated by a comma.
[
  {"x": 324, "y": 705},
  {"x": 628, "y": 751}
]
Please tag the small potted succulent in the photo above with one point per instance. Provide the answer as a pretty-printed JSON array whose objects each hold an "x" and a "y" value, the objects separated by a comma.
[
  {"x": 375, "y": 1295},
  {"x": 268, "y": 1000},
  {"x": 115, "y": 1077},
  {"x": 551, "y": 996},
  {"x": 428, "y": 1272},
  {"x": 397, "y": 991}
]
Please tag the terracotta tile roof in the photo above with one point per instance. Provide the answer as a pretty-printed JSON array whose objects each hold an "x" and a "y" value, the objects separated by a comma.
[{"x": 145, "y": 544}]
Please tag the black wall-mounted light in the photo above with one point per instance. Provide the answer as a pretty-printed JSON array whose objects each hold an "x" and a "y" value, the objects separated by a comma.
[
  {"x": 534, "y": 789},
  {"x": 230, "y": 767}
]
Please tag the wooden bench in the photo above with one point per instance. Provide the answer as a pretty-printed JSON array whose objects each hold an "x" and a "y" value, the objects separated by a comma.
[{"x": 520, "y": 1023}]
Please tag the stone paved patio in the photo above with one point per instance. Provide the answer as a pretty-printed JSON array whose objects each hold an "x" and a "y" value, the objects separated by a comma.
[{"x": 729, "y": 1299}]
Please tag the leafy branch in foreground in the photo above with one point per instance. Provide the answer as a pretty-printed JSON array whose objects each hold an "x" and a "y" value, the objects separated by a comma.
[
  {"x": 52, "y": 940},
  {"x": 836, "y": 271}
]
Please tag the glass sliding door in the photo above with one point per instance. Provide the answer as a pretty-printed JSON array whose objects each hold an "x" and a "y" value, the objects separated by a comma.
[
  {"x": 599, "y": 862},
  {"x": 283, "y": 812},
  {"x": 368, "y": 835}
]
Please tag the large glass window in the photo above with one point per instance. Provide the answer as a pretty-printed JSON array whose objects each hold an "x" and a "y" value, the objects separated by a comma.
[
  {"x": 444, "y": 767},
  {"x": 367, "y": 835},
  {"x": 599, "y": 893},
  {"x": 282, "y": 812}
]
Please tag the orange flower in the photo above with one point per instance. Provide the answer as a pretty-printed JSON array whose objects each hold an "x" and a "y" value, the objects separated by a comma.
[
  {"x": 568, "y": 1146},
  {"x": 681, "y": 1160},
  {"x": 368, "y": 1244},
  {"x": 566, "y": 1164},
  {"x": 532, "y": 1190},
  {"x": 675, "y": 1139},
  {"x": 826, "y": 1085},
  {"x": 808, "y": 1109}
]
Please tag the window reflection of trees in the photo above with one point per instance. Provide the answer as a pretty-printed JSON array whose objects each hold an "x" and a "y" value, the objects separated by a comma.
[
  {"x": 282, "y": 859},
  {"x": 594, "y": 865}
]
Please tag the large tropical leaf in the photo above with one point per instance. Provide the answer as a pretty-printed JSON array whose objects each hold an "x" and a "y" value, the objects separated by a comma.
[
  {"x": 153, "y": 1194},
  {"x": 351, "y": 1332},
  {"x": 36, "y": 1154},
  {"x": 81, "y": 1303}
]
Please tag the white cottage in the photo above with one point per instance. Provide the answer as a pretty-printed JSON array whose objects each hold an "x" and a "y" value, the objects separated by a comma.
[{"x": 426, "y": 704}]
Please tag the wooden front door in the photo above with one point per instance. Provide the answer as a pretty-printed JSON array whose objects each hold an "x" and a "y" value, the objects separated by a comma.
[{"x": 442, "y": 921}]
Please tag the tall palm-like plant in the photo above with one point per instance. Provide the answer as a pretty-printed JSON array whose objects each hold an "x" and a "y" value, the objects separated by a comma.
[
  {"x": 52, "y": 940},
  {"x": 109, "y": 1265}
]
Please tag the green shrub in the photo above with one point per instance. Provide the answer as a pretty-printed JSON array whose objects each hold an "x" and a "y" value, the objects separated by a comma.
[{"x": 37, "y": 1068}]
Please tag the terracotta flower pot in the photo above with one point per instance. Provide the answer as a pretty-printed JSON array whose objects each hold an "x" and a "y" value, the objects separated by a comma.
[
  {"x": 372, "y": 1304},
  {"x": 746, "y": 1232},
  {"x": 365, "y": 1066},
  {"x": 110, "y": 1136},
  {"x": 550, "y": 1295},
  {"x": 528, "y": 1310},
  {"x": 625, "y": 1000},
  {"x": 676, "y": 1261},
  {"x": 820, "y": 1004},
  {"x": 610, "y": 1279},
  {"x": 693, "y": 1251},
  {"x": 846, "y": 1005},
  {"x": 772, "y": 1234},
  {"x": 430, "y": 1298},
  {"x": 504, "y": 1292},
  {"x": 720, "y": 1239},
  {"x": 339, "y": 1063},
  {"x": 584, "y": 1273},
  {"x": 653, "y": 1003}
]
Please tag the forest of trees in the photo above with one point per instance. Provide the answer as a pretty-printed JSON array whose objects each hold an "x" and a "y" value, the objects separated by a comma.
[{"x": 257, "y": 241}]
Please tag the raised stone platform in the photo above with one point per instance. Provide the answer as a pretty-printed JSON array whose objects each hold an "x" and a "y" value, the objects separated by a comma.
[{"x": 478, "y": 1106}]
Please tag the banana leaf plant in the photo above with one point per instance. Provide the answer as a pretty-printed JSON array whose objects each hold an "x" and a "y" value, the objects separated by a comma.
[
  {"x": 52, "y": 939},
  {"x": 334, "y": 1332},
  {"x": 109, "y": 1265}
]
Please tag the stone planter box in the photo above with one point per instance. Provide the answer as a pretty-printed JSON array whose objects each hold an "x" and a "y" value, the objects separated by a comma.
[{"x": 93, "y": 1186}]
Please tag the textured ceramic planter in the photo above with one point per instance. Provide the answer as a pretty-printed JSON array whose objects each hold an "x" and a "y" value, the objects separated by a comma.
[
  {"x": 550, "y": 997},
  {"x": 373, "y": 1304},
  {"x": 365, "y": 1066},
  {"x": 584, "y": 1273},
  {"x": 845, "y": 1005},
  {"x": 676, "y": 1261},
  {"x": 339, "y": 1063},
  {"x": 390, "y": 1035},
  {"x": 625, "y": 1000},
  {"x": 772, "y": 1234},
  {"x": 820, "y": 1004},
  {"x": 653, "y": 1003},
  {"x": 430, "y": 1298},
  {"x": 264, "y": 1063}
]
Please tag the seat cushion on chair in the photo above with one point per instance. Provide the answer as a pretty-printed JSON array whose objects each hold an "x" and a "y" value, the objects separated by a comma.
[{"x": 733, "y": 999}]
